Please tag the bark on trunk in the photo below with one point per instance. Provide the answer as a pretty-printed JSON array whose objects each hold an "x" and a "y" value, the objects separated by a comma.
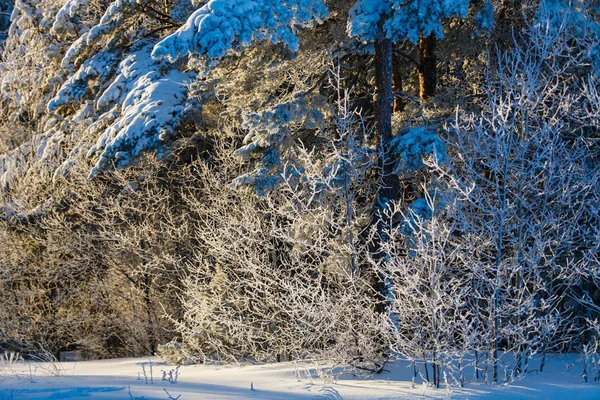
[
  {"x": 390, "y": 184},
  {"x": 383, "y": 89},
  {"x": 427, "y": 67},
  {"x": 148, "y": 303},
  {"x": 397, "y": 83}
]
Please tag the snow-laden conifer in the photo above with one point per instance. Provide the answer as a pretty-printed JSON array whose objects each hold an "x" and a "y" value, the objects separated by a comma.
[
  {"x": 403, "y": 20},
  {"x": 220, "y": 26}
]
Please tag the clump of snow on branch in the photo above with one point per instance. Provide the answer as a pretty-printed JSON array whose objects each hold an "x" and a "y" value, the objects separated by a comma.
[
  {"x": 224, "y": 25},
  {"x": 149, "y": 105},
  {"x": 112, "y": 19},
  {"x": 100, "y": 66},
  {"x": 63, "y": 19},
  {"x": 423, "y": 17},
  {"x": 402, "y": 19},
  {"x": 364, "y": 18},
  {"x": 268, "y": 133},
  {"x": 415, "y": 144}
]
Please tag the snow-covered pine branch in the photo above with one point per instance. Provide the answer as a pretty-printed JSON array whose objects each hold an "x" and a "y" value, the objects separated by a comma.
[{"x": 221, "y": 26}]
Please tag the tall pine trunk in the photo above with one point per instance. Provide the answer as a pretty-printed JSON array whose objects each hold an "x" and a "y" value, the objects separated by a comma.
[
  {"x": 390, "y": 184},
  {"x": 427, "y": 67},
  {"x": 397, "y": 82},
  {"x": 384, "y": 96}
]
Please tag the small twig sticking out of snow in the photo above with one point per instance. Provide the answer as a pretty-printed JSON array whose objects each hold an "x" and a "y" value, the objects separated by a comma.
[
  {"x": 171, "y": 376},
  {"x": 149, "y": 363},
  {"x": 144, "y": 373},
  {"x": 31, "y": 374},
  {"x": 170, "y": 396}
]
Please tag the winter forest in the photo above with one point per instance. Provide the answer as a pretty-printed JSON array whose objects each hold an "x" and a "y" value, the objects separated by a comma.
[{"x": 359, "y": 181}]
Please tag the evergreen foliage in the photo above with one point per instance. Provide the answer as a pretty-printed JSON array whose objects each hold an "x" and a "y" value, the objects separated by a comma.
[{"x": 227, "y": 180}]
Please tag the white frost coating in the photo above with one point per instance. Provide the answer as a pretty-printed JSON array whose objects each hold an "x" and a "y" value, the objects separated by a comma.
[
  {"x": 403, "y": 19},
  {"x": 113, "y": 18},
  {"x": 77, "y": 86},
  {"x": 181, "y": 10},
  {"x": 222, "y": 25},
  {"x": 40, "y": 147},
  {"x": 364, "y": 18},
  {"x": 63, "y": 16},
  {"x": 415, "y": 144},
  {"x": 151, "y": 105}
]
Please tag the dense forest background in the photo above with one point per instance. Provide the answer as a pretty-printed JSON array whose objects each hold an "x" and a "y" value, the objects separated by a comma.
[{"x": 284, "y": 179}]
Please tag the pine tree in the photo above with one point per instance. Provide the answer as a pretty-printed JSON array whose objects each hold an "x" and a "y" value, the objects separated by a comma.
[
  {"x": 383, "y": 23},
  {"x": 220, "y": 27},
  {"x": 417, "y": 21}
]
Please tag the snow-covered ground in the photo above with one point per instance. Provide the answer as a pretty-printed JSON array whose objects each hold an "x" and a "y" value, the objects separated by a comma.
[{"x": 124, "y": 379}]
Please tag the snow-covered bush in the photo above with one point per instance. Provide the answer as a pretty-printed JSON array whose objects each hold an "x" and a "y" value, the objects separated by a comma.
[
  {"x": 431, "y": 316},
  {"x": 527, "y": 164},
  {"x": 95, "y": 267},
  {"x": 279, "y": 275},
  {"x": 499, "y": 255}
]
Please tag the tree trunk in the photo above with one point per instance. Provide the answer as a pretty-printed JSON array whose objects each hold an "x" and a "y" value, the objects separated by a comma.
[
  {"x": 383, "y": 90},
  {"x": 427, "y": 67},
  {"x": 390, "y": 184},
  {"x": 148, "y": 303},
  {"x": 397, "y": 83}
]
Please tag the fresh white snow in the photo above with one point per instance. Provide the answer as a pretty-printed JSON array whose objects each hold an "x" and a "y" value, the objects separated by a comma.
[{"x": 124, "y": 379}]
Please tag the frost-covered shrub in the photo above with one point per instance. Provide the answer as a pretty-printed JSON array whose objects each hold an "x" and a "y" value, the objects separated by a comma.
[
  {"x": 174, "y": 353},
  {"x": 528, "y": 173},
  {"x": 278, "y": 276},
  {"x": 489, "y": 261},
  {"x": 92, "y": 266},
  {"x": 430, "y": 313}
]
